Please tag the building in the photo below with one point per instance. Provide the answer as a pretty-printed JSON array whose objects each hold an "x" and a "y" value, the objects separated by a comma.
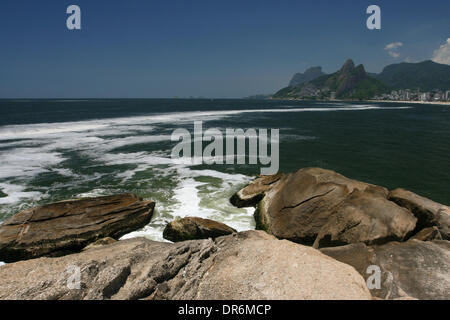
[{"x": 425, "y": 96}]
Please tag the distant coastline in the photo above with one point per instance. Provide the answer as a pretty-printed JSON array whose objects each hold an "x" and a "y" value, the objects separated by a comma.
[
  {"x": 421, "y": 82},
  {"x": 446, "y": 103}
]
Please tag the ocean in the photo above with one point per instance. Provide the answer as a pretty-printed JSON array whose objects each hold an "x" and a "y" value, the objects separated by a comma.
[{"x": 51, "y": 150}]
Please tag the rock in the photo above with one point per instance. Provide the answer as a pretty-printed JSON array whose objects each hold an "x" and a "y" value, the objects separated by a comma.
[
  {"x": 428, "y": 212},
  {"x": 313, "y": 201},
  {"x": 247, "y": 265},
  {"x": 191, "y": 228},
  {"x": 68, "y": 226},
  {"x": 99, "y": 243},
  {"x": 255, "y": 191},
  {"x": 366, "y": 217},
  {"x": 267, "y": 268},
  {"x": 299, "y": 205},
  {"x": 443, "y": 222},
  {"x": 428, "y": 234},
  {"x": 414, "y": 268},
  {"x": 424, "y": 209}
]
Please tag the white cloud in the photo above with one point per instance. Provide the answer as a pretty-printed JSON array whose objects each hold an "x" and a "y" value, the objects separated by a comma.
[
  {"x": 442, "y": 55},
  {"x": 394, "y": 54},
  {"x": 392, "y": 49},
  {"x": 393, "y": 45}
]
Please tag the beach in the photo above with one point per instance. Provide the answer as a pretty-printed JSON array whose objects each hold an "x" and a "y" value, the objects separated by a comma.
[{"x": 443, "y": 103}]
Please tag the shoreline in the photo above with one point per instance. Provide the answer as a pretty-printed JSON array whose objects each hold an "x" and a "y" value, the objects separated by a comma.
[{"x": 444, "y": 103}]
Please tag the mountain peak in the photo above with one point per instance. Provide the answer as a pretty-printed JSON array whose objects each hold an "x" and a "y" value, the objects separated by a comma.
[
  {"x": 348, "y": 82},
  {"x": 348, "y": 66}
]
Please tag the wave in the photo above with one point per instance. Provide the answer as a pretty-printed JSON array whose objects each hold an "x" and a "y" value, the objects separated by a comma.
[
  {"x": 27, "y": 151},
  {"x": 16, "y": 192},
  {"x": 204, "y": 199},
  {"x": 135, "y": 123}
]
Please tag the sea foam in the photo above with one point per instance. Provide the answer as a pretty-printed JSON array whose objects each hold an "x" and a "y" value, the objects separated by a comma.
[{"x": 27, "y": 151}]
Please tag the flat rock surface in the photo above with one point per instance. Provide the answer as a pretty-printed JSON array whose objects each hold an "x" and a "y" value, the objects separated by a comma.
[
  {"x": 246, "y": 265},
  {"x": 68, "y": 226},
  {"x": 417, "y": 269}
]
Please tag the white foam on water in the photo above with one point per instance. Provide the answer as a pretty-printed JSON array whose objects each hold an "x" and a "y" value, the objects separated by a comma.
[
  {"x": 65, "y": 172},
  {"x": 14, "y": 193},
  {"x": 26, "y": 162},
  {"x": 186, "y": 194},
  {"x": 40, "y": 148},
  {"x": 189, "y": 197},
  {"x": 44, "y": 129},
  {"x": 91, "y": 137},
  {"x": 148, "y": 232},
  {"x": 98, "y": 192},
  {"x": 143, "y": 158},
  {"x": 41, "y": 130}
]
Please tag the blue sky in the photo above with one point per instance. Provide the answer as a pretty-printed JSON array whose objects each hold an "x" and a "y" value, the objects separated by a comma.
[{"x": 232, "y": 48}]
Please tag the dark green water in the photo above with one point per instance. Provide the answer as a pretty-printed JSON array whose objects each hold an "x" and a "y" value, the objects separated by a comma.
[{"x": 57, "y": 149}]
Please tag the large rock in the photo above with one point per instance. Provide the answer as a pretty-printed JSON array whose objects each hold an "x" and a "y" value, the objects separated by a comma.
[
  {"x": 248, "y": 265},
  {"x": 317, "y": 204},
  {"x": 414, "y": 268},
  {"x": 69, "y": 226},
  {"x": 428, "y": 212},
  {"x": 194, "y": 228},
  {"x": 250, "y": 195}
]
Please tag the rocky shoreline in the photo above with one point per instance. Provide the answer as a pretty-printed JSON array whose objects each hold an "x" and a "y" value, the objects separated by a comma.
[{"x": 320, "y": 236}]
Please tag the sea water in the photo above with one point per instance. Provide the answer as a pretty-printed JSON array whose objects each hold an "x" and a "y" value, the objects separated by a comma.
[{"x": 51, "y": 150}]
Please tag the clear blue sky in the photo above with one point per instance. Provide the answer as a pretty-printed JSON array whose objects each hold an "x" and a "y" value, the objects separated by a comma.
[{"x": 227, "y": 48}]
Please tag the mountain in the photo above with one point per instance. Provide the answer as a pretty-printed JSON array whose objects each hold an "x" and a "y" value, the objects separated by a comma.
[
  {"x": 426, "y": 76},
  {"x": 310, "y": 74},
  {"x": 349, "y": 82}
]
